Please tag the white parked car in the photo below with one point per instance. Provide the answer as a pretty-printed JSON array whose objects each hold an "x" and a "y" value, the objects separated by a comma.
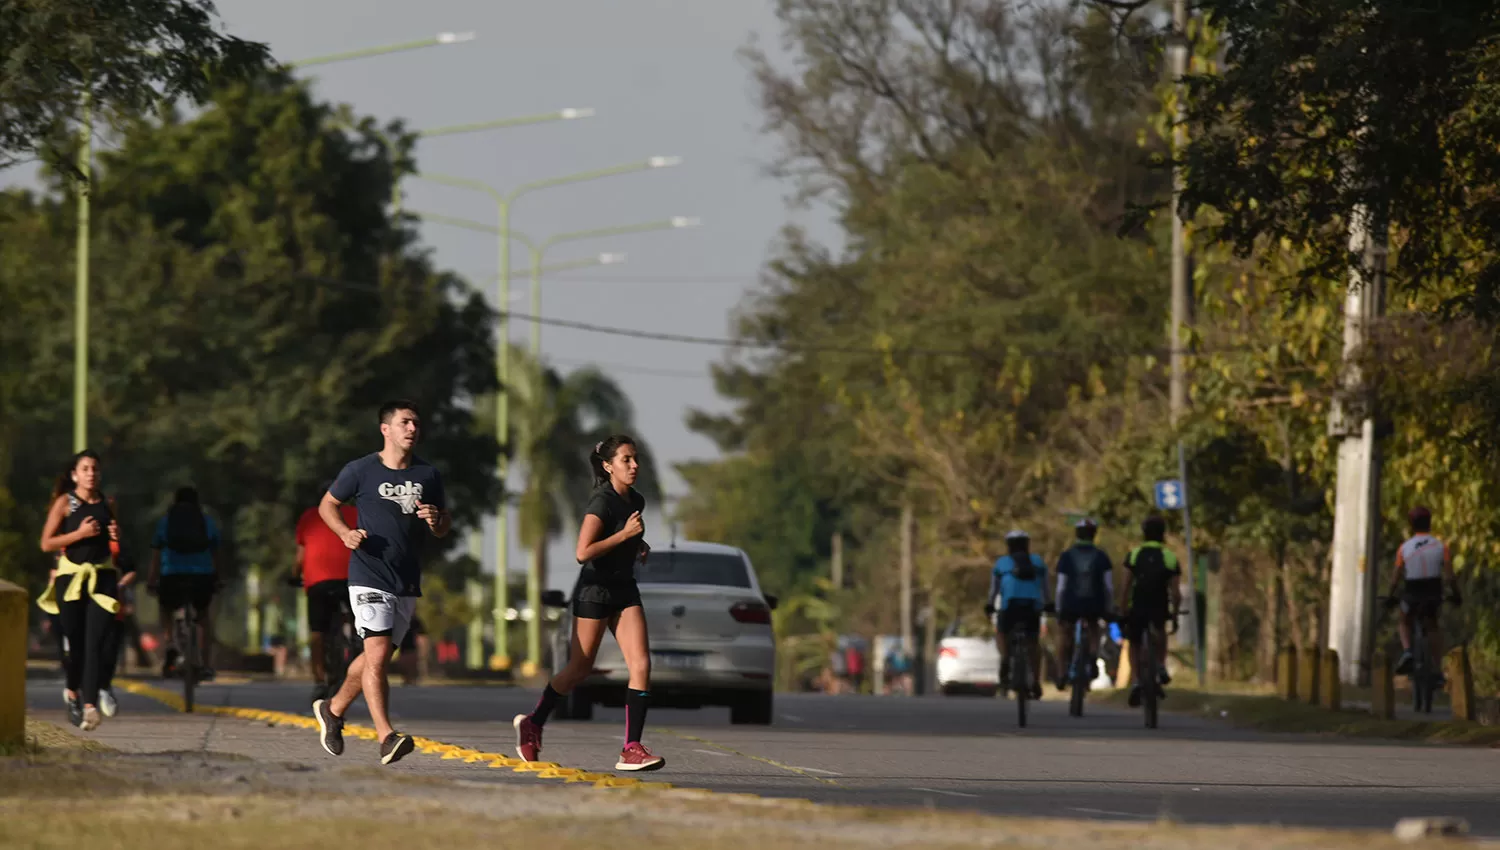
[
  {"x": 711, "y": 640},
  {"x": 968, "y": 660}
]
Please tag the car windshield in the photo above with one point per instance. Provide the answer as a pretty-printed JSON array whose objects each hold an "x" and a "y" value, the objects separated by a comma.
[{"x": 674, "y": 567}]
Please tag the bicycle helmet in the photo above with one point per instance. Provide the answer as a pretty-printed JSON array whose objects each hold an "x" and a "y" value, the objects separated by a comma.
[{"x": 1016, "y": 534}]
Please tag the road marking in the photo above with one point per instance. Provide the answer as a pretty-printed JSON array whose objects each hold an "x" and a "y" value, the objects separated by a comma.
[
  {"x": 800, "y": 771},
  {"x": 792, "y": 717},
  {"x": 715, "y": 753},
  {"x": 1131, "y": 815},
  {"x": 820, "y": 770},
  {"x": 949, "y": 793}
]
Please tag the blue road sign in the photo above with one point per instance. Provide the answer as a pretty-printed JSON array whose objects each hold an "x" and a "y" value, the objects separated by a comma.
[{"x": 1169, "y": 495}]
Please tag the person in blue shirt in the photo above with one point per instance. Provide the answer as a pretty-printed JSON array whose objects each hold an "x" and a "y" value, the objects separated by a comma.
[
  {"x": 1020, "y": 583},
  {"x": 185, "y": 568}
]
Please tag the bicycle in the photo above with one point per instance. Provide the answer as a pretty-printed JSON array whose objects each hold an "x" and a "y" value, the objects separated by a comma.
[
  {"x": 1148, "y": 677},
  {"x": 1426, "y": 674},
  {"x": 1019, "y": 656},
  {"x": 185, "y": 630},
  {"x": 1081, "y": 669}
]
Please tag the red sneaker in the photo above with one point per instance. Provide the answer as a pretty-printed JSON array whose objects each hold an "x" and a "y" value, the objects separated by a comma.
[
  {"x": 528, "y": 738},
  {"x": 637, "y": 757}
]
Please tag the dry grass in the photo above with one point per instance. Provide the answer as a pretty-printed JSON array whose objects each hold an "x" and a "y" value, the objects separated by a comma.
[{"x": 1269, "y": 713}]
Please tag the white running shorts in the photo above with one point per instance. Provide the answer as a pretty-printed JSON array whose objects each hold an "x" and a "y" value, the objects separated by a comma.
[{"x": 378, "y": 613}]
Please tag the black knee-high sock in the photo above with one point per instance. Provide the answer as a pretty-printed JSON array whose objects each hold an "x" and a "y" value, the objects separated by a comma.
[
  {"x": 635, "y": 714},
  {"x": 544, "y": 705}
]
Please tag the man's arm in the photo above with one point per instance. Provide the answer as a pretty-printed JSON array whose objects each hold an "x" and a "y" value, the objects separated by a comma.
[
  {"x": 328, "y": 511},
  {"x": 1122, "y": 594},
  {"x": 1397, "y": 574}
]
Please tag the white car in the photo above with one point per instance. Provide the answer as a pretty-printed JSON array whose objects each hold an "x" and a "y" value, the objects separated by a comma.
[
  {"x": 711, "y": 640},
  {"x": 968, "y": 660}
]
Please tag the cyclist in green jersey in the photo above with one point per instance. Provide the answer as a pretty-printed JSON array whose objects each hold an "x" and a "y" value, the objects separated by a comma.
[{"x": 1148, "y": 598}]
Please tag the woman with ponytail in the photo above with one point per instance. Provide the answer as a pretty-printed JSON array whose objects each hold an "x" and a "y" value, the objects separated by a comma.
[
  {"x": 80, "y": 526},
  {"x": 610, "y": 542}
]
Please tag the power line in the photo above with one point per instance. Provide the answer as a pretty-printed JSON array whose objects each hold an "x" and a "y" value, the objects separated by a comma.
[{"x": 725, "y": 342}]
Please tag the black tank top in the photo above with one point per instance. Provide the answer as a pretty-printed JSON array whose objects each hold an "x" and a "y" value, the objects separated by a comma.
[{"x": 90, "y": 550}]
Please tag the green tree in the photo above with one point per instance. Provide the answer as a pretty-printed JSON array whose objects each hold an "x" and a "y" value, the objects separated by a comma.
[
  {"x": 253, "y": 303},
  {"x": 122, "y": 57}
]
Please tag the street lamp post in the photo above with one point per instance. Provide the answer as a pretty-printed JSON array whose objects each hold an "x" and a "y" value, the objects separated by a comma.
[
  {"x": 84, "y": 190},
  {"x": 503, "y": 202},
  {"x": 538, "y": 250}
]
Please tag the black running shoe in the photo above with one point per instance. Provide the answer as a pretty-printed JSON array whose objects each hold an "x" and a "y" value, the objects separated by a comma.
[
  {"x": 330, "y": 728},
  {"x": 75, "y": 711},
  {"x": 396, "y": 746},
  {"x": 1135, "y": 697}
]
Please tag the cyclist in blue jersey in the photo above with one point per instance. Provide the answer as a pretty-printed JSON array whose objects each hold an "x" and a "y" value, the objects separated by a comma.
[{"x": 1019, "y": 581}]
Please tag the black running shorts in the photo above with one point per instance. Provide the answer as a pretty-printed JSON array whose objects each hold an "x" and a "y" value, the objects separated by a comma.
[
  {"x": 326, "y": 601},
  {"x": 604, "y": 601}
]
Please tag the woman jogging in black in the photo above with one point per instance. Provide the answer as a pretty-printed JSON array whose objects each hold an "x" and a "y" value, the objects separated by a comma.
[
  {"x": 610, "y": 542},
  {"x": 81, "y": 524}
]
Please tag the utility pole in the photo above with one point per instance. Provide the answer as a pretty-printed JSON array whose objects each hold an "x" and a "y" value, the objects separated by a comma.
[
  {"x": 906, "y": 574},
  {"x": 1356, "y": 512},
  {"x": 836, "y": 567},
  {"x": 1178, "y": 46}
]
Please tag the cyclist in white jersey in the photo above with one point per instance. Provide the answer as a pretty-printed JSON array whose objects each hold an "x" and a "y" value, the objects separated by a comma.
[{"x": 1424, "y": 565}]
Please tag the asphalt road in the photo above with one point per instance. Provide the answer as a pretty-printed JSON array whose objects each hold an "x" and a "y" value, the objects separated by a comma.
[{"x": 967, "y": 753}]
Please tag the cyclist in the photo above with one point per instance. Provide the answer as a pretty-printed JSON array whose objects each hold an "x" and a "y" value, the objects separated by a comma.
[
  {"x": 1423, "y": 563},
  {"x": 1085, "y": 590},
  {"x": 1148, "y": 598},
  {"x": 1020, "y": 581},
  {"x": 323, "y": 567},
  {"x": 185, "y": 568}
]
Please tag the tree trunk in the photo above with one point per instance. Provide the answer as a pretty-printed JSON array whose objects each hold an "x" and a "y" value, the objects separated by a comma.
[{"x": 1270, "y": 623}]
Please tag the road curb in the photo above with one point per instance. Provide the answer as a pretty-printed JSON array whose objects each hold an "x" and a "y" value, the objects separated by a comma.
[{"x": 454, "y": 752}]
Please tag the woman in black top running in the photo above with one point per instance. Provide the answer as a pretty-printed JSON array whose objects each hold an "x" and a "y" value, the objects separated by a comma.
[
  {"x": 610, "y": 542},
  {"x": 80, "y": 525}
]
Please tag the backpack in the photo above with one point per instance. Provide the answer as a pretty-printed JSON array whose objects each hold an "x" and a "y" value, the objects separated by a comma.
[
  {"x": 854, "y": 661},
  {"x": 187, "y": 529},
  {"x": 1022, "y": 567}
]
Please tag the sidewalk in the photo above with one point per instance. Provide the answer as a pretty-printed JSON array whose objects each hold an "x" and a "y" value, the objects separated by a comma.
[{"x": 145, "y": 726}]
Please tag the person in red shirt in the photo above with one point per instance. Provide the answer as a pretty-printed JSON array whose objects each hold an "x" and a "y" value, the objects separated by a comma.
[{"x": 323, "y": 566}]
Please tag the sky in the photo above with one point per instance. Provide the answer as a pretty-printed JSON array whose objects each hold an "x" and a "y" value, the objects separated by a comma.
[{"x": 666, "y": 80}]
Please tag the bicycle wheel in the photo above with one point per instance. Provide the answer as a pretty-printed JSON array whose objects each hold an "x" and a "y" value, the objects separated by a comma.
[
  {"x": 1020, "y": 676},
  {"x": 189, "y": 657},
  {"x": 1148, "y": 676},
  {"x": 1076, "y": 671}
]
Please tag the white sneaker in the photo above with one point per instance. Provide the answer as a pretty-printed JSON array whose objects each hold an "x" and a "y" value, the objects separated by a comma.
[
  {"x": 91, "y": 719},
  {"x": 67, "y": 700},
  {"x": 107, "y": 703}
]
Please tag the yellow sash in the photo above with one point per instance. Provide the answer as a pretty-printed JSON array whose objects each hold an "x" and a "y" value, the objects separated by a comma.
[{"x": 83, "y": 574}]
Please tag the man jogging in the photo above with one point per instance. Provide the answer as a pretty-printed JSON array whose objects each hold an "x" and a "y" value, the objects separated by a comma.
[
  {"x": 399, "y": 499},
  {"x": 323, "y": 567}
]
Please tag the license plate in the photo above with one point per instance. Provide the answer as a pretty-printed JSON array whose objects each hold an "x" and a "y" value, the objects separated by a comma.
[{"x": 677, "y": 661}]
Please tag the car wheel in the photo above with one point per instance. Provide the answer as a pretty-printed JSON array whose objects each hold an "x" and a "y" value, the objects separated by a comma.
[
  {"x": 578, "y": 705},
  {"x": 752, "y": 709}
]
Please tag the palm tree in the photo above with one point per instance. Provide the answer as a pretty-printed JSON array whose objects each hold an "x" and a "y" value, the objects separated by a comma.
[{"x": 558, "y": 420}]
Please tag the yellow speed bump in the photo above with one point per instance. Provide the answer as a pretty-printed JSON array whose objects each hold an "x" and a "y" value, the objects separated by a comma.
[{"x": 535, "y": 766}]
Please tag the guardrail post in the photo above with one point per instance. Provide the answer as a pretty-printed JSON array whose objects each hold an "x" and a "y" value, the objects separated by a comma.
[
  {"x": 1286, "y": 673},
  {"x": 1330, "y": 680},
  {"x": 13, "y": 620},
  {"x": 1382, "y": 686},
  {"x": 1460, "y": 683},
  {"x": 1307, "y": 688}
]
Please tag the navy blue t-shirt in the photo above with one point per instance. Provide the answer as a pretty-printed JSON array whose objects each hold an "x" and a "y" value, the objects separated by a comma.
[{"x": 390, "y": 558}]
